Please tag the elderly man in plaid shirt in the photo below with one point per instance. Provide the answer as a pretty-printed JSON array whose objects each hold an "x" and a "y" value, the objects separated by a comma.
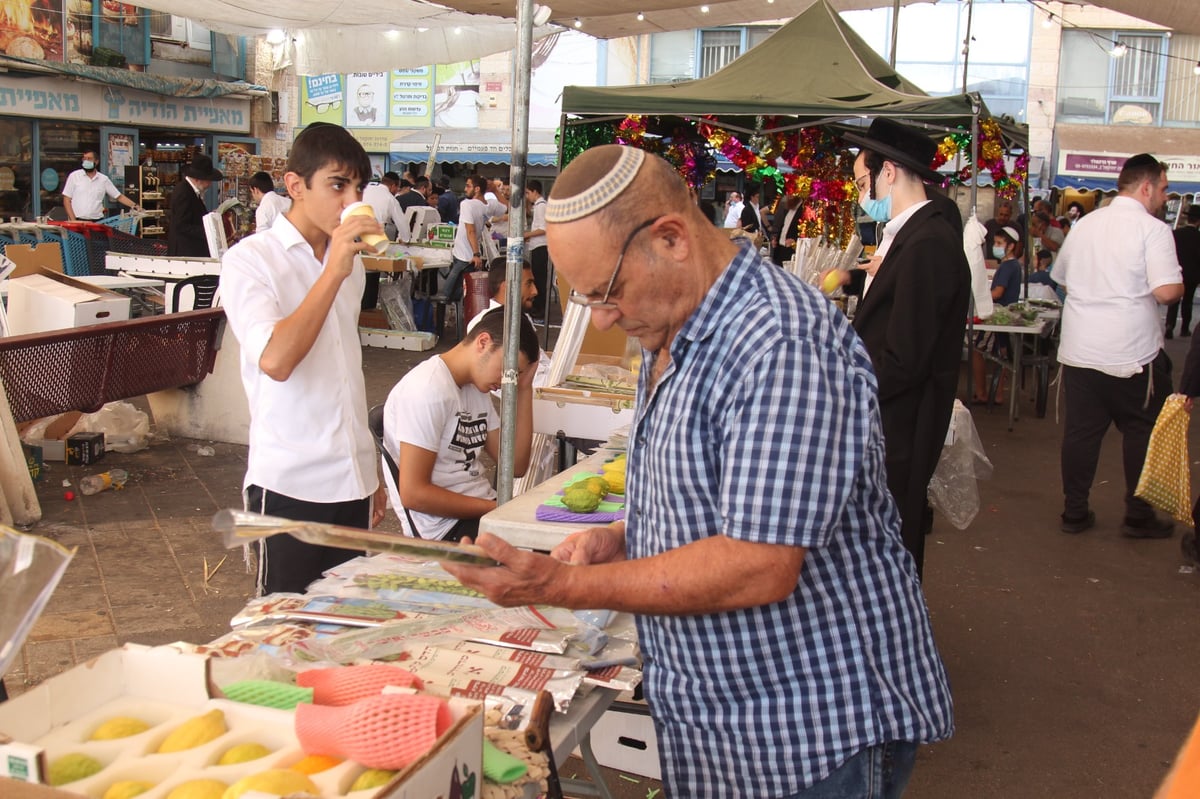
[{"x": 787, "y": 646}]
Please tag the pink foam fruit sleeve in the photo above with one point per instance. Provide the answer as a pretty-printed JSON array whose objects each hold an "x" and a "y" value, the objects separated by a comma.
[
  {"x": 344, "y": 685},
  {"x": 389, "y": 731}
]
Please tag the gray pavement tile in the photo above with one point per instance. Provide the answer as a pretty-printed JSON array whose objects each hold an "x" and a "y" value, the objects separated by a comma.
[
  {"x": 169, "y": 591},
  {"x": 69, "y": 625},
  {"x": 139, "y": 623}
]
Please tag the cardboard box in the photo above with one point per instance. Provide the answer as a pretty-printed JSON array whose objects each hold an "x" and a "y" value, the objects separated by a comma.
[
  {"x": 165, "y": 688},
  {"x": 33, "y": 258},
  {"x": 84, "y": 449},
  {"x": 49, "y": 301},
  {"x": 34, "y": 460}
]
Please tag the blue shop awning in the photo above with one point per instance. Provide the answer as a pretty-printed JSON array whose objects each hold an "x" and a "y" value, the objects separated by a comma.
[{"x": 473, "y": 146}]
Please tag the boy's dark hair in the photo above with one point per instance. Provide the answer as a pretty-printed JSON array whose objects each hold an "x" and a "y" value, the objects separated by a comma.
[
  {"x": 322, "y": 144},
  {"x": 391, "y": 177},
  {"x": 1044, "y": 255},
  {"x": 536, "y": 185},
  {"x": 498, "y": 272},
  {"x": 1139, "y": 168},
  {"x": 263, "y": 182},
  {"x": 492, "y": 323}
]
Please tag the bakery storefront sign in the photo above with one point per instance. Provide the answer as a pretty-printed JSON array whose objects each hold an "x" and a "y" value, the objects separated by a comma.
[
  {"x": 50, "y": 98},
  {"x": 1183, "y": 169}
]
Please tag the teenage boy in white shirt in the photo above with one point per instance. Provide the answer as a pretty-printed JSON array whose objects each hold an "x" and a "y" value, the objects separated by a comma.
[
  {"x": 439, "y": 418},
  {"x": 292, "y": 296}
]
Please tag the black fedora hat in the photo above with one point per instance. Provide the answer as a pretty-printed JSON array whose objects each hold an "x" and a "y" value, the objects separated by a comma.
[
  {"x": 201, "y": 168},
  {"x": 906, "y": 146}
]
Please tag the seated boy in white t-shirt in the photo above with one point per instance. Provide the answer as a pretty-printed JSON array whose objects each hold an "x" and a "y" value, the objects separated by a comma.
[{"x": 439, "y": 417}]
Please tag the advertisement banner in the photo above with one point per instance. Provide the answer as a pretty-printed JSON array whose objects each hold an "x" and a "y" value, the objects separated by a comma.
[
  {"x": 32, "y": 29},
  {"x": 410, "y": 102},
  {"x": 1180, "y": 168},
  {"x": 321, "y": 99}
]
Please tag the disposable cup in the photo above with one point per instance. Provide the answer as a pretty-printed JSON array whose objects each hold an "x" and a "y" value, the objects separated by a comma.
[{"x": 377, "y": 242}]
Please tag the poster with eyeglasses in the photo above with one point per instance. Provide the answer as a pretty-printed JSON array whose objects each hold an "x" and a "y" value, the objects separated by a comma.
[
  {"x": 321, "y": 99},
  {"x": 366, "y": 99}
]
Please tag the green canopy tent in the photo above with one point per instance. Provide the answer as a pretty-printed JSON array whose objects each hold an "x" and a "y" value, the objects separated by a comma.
[{"x": 814, "y": 69}]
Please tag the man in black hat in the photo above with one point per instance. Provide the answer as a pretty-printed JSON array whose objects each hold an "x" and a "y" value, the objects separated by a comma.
[
  {"x": 185, "y": 231},
  {"x": 913, "y": 312}
]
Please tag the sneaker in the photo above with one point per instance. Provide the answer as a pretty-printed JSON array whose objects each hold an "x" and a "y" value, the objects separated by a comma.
[
  {"x": 1078, "y": 525},
  {"x": 1153, "y": 527}
]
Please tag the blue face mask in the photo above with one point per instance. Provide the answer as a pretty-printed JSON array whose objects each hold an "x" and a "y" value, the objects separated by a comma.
[
  {"x": 88, "y": 166},
  {"x": 998, "y": 253},
  {"x": 879, "y": 210}
]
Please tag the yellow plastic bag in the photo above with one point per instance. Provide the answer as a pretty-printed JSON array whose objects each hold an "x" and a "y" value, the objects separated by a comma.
[{"x": 1166, "y": 482}]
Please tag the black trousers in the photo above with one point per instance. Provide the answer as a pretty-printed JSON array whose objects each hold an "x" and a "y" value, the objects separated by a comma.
[
  {"x": 286, "y": 564},
  {"x": 1093, "y": 401},
  {"x": 539, "y": 260},
  {"x": 1189, "y": 294}
]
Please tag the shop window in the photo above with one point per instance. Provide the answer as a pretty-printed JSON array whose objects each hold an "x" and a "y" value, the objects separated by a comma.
[
  {"x": 121, "y": 39},
  {"x": 685, "y": 55},
  {"x": 717, "y": 49},
  {"x": 229, "y": 56},
  {"x": 62, "y": 145},
  {"x": 1096, "y": 88},
  {"x": 16, "y": 167}
]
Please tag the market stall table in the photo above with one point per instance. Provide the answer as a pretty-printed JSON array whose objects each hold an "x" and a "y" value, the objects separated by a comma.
[
  {"x": 516, "y": 520},
  {"x": 1017, "y": 333}
]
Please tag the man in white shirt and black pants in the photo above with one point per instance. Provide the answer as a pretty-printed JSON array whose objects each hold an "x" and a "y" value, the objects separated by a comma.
[
  {"x": 1117, "y": 266},
  {"x": 84, "y": 192}
]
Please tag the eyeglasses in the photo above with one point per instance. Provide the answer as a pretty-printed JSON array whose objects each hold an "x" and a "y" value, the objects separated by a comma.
[
  {"x": 603, "y": 304},
  {"x": 323, "y": 107}
]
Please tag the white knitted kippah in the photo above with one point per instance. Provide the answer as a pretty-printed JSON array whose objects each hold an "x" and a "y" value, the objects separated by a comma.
[{"x": 599, "y": 194}]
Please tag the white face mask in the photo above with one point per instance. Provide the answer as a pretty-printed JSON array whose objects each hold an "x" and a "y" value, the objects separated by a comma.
[{"x": 89, "y": 165}]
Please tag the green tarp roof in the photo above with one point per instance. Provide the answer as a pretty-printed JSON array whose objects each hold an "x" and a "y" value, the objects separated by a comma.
[{"x": 814, "y": 67}]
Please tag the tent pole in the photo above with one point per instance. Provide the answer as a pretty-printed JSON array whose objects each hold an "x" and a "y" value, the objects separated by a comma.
[
  {"x": 966, "y": 51},
  {"x": 515, "y": 253},
  {"x": 895, "y": 33}
]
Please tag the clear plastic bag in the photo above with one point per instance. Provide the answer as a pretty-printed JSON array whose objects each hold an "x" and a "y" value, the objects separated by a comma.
[
  {"x": 30, "y": 568},
  {"x": 395, "y": 296},
  {"x": 125, "y": 428},
  {"x": 953, "y": 490}
]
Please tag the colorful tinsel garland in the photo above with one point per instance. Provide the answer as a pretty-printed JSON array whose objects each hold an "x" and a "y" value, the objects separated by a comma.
[{"x": 991, "y": 158}]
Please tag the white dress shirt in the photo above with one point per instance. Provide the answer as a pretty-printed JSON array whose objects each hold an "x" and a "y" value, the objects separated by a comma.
[
  {"x": 271, "y": 205},
  {"x": 308, "y": 434},
  {"x": 87, "y": 193},
  {"x": 385, "y": 206},
  {"x": 1110, "y": 264}
]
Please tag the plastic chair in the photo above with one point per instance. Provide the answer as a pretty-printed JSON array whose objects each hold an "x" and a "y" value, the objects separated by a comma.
[
  {"x": 375, "y": 425},
  {"x": 204, "y": 290}
]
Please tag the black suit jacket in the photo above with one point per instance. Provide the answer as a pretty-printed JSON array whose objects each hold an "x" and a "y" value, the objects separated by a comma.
[
  {"x": 750, "y": 220},
  {"x": 185, "y": 231},
  {"x": 912, "y": 321},
  {"x": 1187, "y": 250},
  {"x": 782, "y": 252}
]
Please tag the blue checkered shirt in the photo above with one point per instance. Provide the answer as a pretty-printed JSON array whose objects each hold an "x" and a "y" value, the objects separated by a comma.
[{"x": 765, "y": 428}]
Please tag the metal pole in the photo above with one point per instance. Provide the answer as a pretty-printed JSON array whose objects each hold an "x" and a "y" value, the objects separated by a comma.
[
  {"x": 966, "y": 51},
  {"x": 895, "y": 33},
  {"x": 515, "y": 252}
]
